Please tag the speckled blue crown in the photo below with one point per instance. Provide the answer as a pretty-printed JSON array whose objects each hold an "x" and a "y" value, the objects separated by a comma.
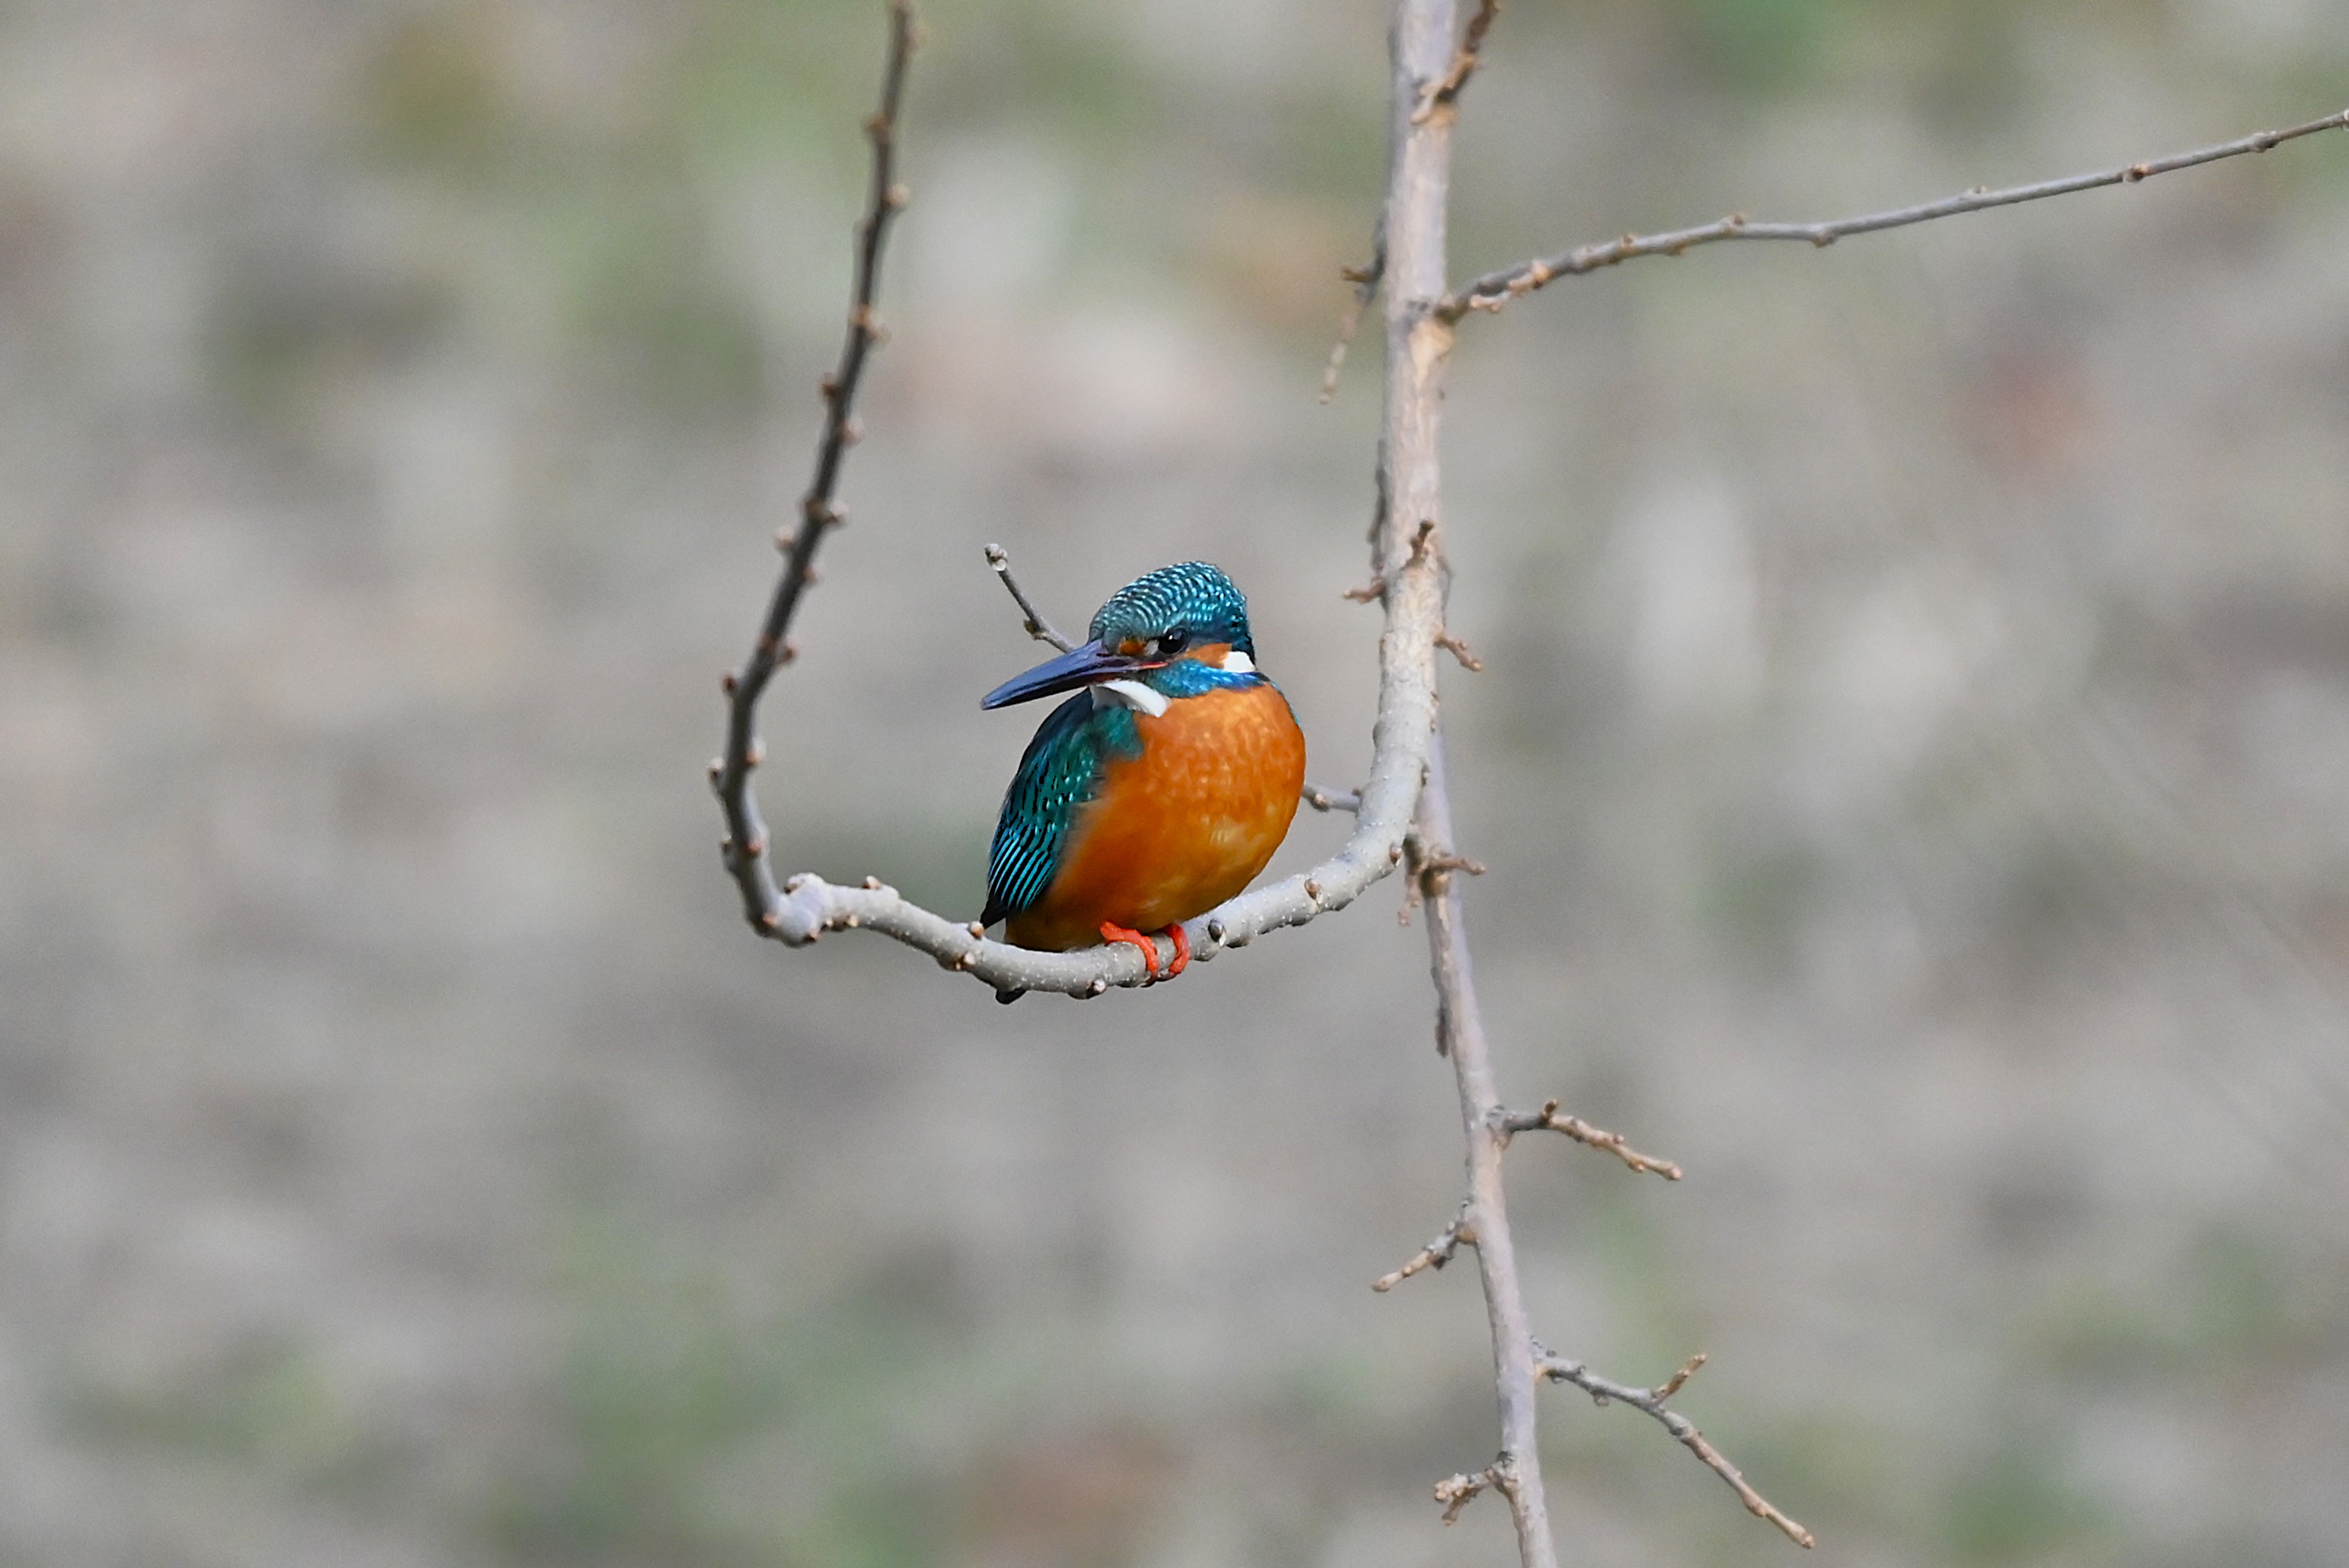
[{"x": 1191, "y": 595}]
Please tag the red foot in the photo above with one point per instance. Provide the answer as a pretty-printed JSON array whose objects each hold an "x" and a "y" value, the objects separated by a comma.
[{"x": 1112, "y": 931}]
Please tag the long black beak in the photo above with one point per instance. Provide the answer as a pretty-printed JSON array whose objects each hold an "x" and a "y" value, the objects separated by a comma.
[{"x": 1088, "y": 665}]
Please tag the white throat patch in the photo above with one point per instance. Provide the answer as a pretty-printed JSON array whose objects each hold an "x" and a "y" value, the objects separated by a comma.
[
  {"x": 1237, "y": 663},
  {"x": 1132, "y": 694}
]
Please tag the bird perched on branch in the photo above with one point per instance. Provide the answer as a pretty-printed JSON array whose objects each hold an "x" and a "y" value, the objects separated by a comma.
[{"x": 1160, "y": 789}]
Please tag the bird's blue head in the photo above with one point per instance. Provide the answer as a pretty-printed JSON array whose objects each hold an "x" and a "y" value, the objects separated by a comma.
[
  {"x": 1164, "y": 613},
  {"x": 1177, "y": 628}
]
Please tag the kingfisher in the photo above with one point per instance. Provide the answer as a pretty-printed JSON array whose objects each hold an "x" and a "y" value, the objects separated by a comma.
[{"x": 1160, "y": 789}]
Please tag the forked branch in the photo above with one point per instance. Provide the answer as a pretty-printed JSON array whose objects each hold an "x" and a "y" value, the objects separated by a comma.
[
  {"x": 1493, "y": 290},
  {"x": 1651, "y": 1402},
  {"x": 1548, "y": 1120}
]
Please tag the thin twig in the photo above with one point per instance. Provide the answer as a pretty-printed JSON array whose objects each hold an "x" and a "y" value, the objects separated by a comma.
[
  {"x": 1496, "y": 290},
  {"x": 1034, "y": 623},
  {"x": 745, "y": 846},
  {"x": 1433, "y": 1256},
  {"x": 1464, "y": 65},
  {"x": 1651, "y": 1400},
  {"x": 1548, "y": 1120},
  {"x": 1366, "y": 287},
  {"x": 1322, "y": 799}
]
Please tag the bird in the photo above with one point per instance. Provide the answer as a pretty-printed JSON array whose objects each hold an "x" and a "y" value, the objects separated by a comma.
[{"x": 1160, "y": 789}]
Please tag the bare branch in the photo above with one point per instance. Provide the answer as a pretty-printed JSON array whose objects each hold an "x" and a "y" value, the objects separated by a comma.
[
  {"x": 1548, "y": 1120},
  {"x": 1460, "y": 1033},
  {"x": 1032, "y": 619},
  {"x": 1442, "y": 94},
  {"x": 806, "y": 906},
  {"x": 1651, "y": 1400},
  {"x": 1496, "y": 290},
  {"x": 1433, "y": 1256},
  {"x": 745, "y": 846}
]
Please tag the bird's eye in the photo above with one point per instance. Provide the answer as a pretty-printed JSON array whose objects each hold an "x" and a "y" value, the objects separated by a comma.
[{"x": 1168, "y": 644}]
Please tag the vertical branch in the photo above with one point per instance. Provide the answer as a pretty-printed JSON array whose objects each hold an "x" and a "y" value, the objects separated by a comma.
[
  {"x": 1409, "y": 560},
  {"x": 1460, "y": 1033}
]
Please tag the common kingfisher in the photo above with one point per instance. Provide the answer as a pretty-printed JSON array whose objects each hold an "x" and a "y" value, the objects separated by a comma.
[{"x": 1160, "y": 789}]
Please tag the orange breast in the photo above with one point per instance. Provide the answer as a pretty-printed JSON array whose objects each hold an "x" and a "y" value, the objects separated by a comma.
[{"x": 1178, "y": 829}]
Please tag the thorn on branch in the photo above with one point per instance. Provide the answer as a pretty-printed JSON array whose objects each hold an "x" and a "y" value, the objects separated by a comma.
[
  {"x": 1459, "y": 650},
  {"x": 1429, "y": 875},
  {"x": 1673, "y": 1383},
  {"x": 1420, "y": 538},
  {"x": 1454, "y": 1493},
  {"x": 1433, "y": 1256},
  {"x": 1441, "y": 94},
  {"x": 1369, "y": 593},
  {"x": 1650, "y": 1401},
  {"x": 1322, "y": 799},
  {"x": 1548, "y": 1120}
]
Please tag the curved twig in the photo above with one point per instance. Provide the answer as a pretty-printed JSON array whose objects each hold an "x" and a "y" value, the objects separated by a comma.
[
  {"x": 745, "y": 845},
  {"x": 806, "y": 906},
  {"x": 1651, "y": 1402},
  {"x": 1548, "y": 1120}
]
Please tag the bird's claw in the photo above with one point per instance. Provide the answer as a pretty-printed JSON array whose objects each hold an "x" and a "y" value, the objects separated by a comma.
[{"x": 1112, "y": 932}]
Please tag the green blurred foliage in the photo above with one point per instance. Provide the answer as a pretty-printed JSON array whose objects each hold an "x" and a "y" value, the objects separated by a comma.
[{"x": 694, "y": 1430}]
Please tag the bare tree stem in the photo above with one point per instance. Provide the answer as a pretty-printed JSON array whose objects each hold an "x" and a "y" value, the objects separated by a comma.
[{"x": 1496, "y": 290}]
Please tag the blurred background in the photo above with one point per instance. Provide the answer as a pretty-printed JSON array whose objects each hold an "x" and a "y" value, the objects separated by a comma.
[{"x": 1913, "y": 762}]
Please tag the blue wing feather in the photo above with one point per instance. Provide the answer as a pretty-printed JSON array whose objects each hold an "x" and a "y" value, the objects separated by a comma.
[{"x": 1061, "y": 771}]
